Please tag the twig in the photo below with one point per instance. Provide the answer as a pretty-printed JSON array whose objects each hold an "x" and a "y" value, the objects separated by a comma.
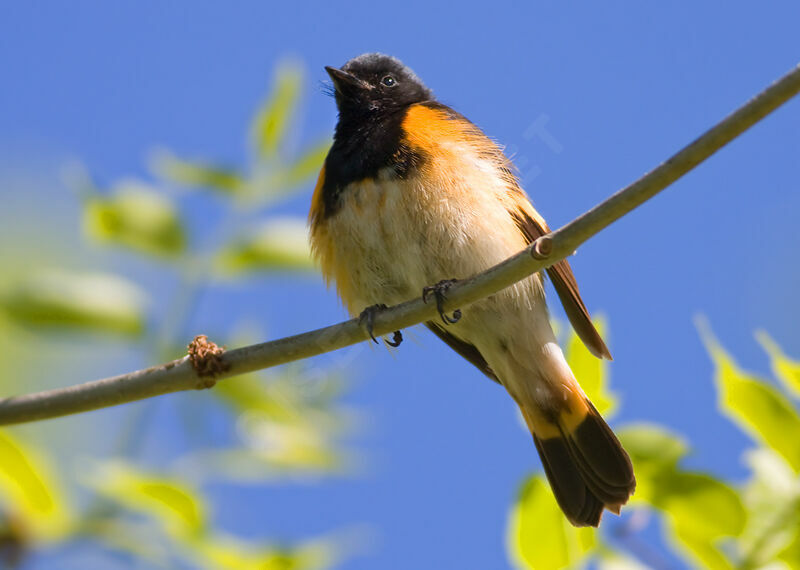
[{"x": 179, "y": 375}]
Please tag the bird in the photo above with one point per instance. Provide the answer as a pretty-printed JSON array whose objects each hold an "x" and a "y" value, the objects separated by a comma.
[{"x": 412, "y": 197}]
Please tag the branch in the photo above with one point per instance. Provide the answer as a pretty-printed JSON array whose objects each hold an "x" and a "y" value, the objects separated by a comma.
[{"x": 180, "y": 375}]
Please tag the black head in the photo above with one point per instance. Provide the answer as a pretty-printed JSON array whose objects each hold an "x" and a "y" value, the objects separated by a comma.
[{"x": 376, "y": 83}]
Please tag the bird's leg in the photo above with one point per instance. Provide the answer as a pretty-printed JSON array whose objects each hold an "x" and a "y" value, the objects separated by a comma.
[
  {"x": 439, "y": 291},
  {"x": 367, "y": 319}
]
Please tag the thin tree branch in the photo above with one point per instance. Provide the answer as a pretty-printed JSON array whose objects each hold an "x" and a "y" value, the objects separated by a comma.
[{"x": 179, "y": 375}]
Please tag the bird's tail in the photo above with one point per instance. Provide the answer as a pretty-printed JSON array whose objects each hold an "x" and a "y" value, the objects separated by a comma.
[{"x": 586, "y": 465}]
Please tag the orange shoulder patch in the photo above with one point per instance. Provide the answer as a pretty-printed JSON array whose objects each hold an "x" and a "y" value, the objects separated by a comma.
[{"x": 426, "y": 128}]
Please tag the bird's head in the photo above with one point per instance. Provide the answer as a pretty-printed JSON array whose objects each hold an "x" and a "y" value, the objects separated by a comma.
[{"x": 376, "y": 83}]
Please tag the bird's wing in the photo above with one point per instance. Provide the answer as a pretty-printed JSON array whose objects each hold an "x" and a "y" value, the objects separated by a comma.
[
  {"x": 532, "y": 226},
  {"x": 563, "y": 280},
  {"x": 465, "y": 349}
]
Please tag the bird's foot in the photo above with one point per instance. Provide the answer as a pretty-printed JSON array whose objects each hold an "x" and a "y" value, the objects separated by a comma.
[
  {"x": 439, "y": 291},
  {"x": 367, "y": 319}
]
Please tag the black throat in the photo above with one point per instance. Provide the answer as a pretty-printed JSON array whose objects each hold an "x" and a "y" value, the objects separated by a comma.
[{"x": 366, "y": 143}]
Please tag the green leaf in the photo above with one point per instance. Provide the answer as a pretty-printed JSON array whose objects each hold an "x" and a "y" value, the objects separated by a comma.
[
  {"x": 654, "y": 451},
  {"x": 222, "y": 552},
  {"x": 139, "y": 539},
  {"x": 30, "y": 490},
  {"x": 699, "y": 509},
  {"x": 296, "y": 446},
  {"x": 288, "y": 423},
  {"x": 650, "y": 446},
  {"x": 617, "y": 561},
  {"x": 277, "y": 244},
  {"x": 282, "y": 392},
  {"x": 591, "y": 371},
  {"x": 700, "y": 505},
  {"x": 791, "y": 554},
  {"x": 272, "y": 181},
  {"x": 698, "y": 549},
  {"x": 273, "y": 119},
  {"x": 135, "y": 216},
  {"x": 784, "y": 368},
  {"x": 173, "y": 503},
  {"x": 772, "y": 500},
  {"x": 249, "y": 393},
  {"x": 194, "y": 174},
  {"x": 308, "y": 164},
  {"x": 90, "y": 301},
  {"x": 757, "y": 408},
  {"x": 539, "y": 535},
  {"x": 700, "y": 512}
]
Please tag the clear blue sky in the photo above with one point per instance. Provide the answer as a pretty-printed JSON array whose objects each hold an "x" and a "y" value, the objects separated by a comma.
[{"x": 618, "y": 87}]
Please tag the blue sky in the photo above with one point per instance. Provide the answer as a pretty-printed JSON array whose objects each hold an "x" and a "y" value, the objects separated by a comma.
[{"x": 617, "y": 87}]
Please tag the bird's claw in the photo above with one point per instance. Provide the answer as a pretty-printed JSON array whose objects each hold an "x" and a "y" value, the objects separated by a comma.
[
  {"x": 397, "y": 339},
  {"x": 439, "y": 291},
  {"x": 367, "y": 319}
]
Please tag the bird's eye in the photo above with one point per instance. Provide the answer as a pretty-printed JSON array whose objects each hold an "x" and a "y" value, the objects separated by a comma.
[{"x": 389, "y": 81}]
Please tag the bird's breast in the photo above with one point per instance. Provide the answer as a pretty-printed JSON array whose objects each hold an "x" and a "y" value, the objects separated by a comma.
[{"x": 392, "y": 236}]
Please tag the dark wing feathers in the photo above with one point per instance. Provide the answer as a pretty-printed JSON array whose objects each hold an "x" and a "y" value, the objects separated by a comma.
[
  {"x": 567, "y": 288},
  {"x": 463, "y": 348}
]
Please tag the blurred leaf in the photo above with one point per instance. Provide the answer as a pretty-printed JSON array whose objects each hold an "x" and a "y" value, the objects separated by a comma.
[
  {"x": 249, "y": 465},
  {"x": 773, "y": 479},
  {"x": 772, "y": 499},
  {"x": 288, "y": 393},
  {"x": 137, "y": 538},
  {"x": 698, "y": 549},
  {"x": 220, "y": 552},
  {"x": 758, "y": 408},
  {"x": 135, "y": 216},
  {"x": 273, "y": 119},
  {"x": 173, "y": 503},
  {"x": 182, "y": 512},
  {"x": 653, "y": 451},
  {"x": 539, "y": 535},
  {"x": 652, "y": 445},
  {"x": 288, "y": 423},
  {"x": 272, "y": 180},
  {"x": 92, "y": 301},
  {"x": 700, "y": 510},
  {"x": 193, "y": 174},
  {"x": 700, "y": 505},
  {"x": 30, "y": 490},
  {"x": 791, "y": 554},
  {"x": 277, "y": 244},
  {"x": 248, "y": 393},
  {"x": 297, "y": 445},
  {"x": 591, "y": 371},
  {"x": 785, "y": 369},
  {"x": 308, "y": 164},
  {"x": 616, "y": 561}
]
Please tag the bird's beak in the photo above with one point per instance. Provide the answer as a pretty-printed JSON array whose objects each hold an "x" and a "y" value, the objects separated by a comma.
[{"x": 346, "y": 84}]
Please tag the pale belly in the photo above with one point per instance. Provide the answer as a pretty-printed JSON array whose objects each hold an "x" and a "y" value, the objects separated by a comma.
[
  {"x": 389, "y": 240},
  {"x": 395, "y": 237}
]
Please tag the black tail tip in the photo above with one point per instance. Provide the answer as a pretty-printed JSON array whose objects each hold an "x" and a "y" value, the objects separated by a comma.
[{"x": 588, "y": 470}]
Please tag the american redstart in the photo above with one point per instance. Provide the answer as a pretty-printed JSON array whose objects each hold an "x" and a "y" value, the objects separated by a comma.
[{"x": 413, "y": 196}]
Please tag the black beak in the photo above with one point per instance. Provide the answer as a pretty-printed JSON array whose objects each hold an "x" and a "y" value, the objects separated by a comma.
[{"x": 346, "y": 84}]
